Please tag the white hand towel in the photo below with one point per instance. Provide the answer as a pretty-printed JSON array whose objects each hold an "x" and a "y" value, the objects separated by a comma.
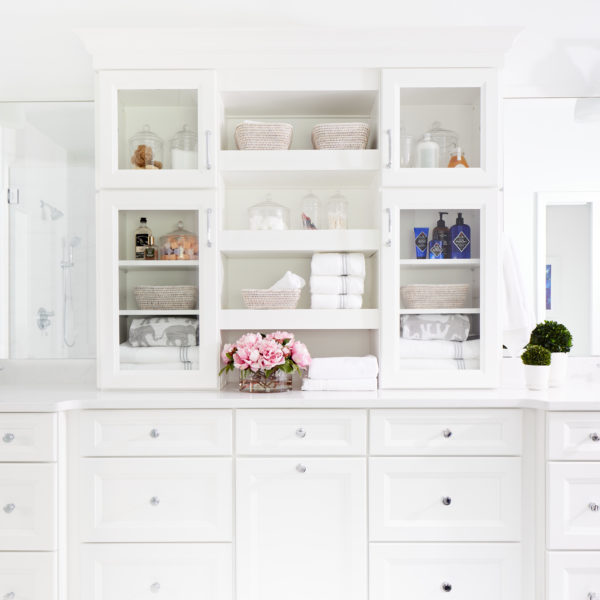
[
  {"x": 434, "y": 364},
  {"x": 336, "y": 263},
  {"x": 344, "y": 367},
  {"x": 337, "y": 284},
  {"x": 344, "y": 385},
  {"x": 437, "y": 349},
  {"x": 332, "y": 301},
  {"x": 290, "y": 281}
]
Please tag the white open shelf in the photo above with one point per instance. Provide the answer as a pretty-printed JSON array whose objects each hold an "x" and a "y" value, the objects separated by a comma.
[
  {"x": 249, "y": 320},
  {"x": 156, "y": 313},
  {"x": 451, "y": 263},
  {"x": 144, "y": 265},
  {"x": 439, "y": 311}
]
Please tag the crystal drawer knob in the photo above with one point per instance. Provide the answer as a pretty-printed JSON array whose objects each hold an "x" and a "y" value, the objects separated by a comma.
[
  {"x": 301, "y": 433},
  {"x": 155, "y": 587},
  {"x": 154, "y": 433},
  {"x": 9, "y": 596},
  {"x": 447, "y": 587},
  {"x": 447, "y": 433},
  {"x": 300, "y": 468},
  {"x": 7, "y": 438},
  {"x": 9, "y": 508},
  {"x": 594, "y": 507},
  {"x": 446, "y": 501},
  {"x": 594, "y": 437},
  {"x": 154, "y": 501}
]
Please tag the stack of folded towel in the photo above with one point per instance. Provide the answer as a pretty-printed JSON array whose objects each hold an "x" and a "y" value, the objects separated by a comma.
[
  {"x": 163, "y": 343},
  {"x": 343, "y": 373},
  {"x": 437, "y": 342},
  {"x": 337, "y": 280}
]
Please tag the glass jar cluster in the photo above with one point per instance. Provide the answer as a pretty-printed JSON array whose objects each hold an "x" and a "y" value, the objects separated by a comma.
[
  {"x": 146, "y": 149},
  {"x": 437, "y": 148}
]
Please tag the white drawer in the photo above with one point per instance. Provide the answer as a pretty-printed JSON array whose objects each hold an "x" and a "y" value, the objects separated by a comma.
[
  {"x": 574, "y": 436},
  {"x": 161, "y": 571},
  {"x": 28, "y": 507},
  {"x": 27, "y": 437},
  {"x": 457, "y": 432},
  {"x": 155, "y": 432},
  {"x": 301, "y": 432},
  {"x": 464, "y": 571},
  {"x": 28, "y": 575},
  {"x": 445, "y": 499},
  {"x": 573, "y": 494},
  {"x": 156, "y": 499},
  {"x": 573, "y": 575}
]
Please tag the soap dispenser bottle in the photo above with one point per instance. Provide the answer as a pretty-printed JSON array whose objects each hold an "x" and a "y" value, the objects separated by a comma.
[
  {"x": 442, "y": 234},
  {"x": 460, "y": 239}
]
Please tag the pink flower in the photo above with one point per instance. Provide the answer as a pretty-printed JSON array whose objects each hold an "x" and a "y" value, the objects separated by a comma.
[
  {"x": 272, "y": 354},
  {"x": 279, "y": 336},
  {"x": 227, "y": 348},
  {"x": 300, "y": 355}
]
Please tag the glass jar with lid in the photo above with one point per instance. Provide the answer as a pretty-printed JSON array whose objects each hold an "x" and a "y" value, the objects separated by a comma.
[
  {"x": 146, "y": 150},
  {"x": 446, "y": 139},
  {"x": 337, "y": 212},
  {"x": 184, "y": 149},
  {"x": 311, "y": 212},
  {"x": 268, "y": 216},
  {"x": 179, "y": 244}
]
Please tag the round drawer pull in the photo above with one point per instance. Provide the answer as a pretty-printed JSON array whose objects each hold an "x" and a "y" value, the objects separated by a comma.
[
  {"x": 300, "y": 468},
  {"x": 593, "y": 507},
  {"x": 446, "y": 501},
  {"x": 155, "y": 587},
  {"x": 447, "y": 587},
  {"x": 9, "y": 596},
  {"x": 447, "y": 433},
  {"x": 7, "y": 438},
  {"x": 594, "y": 437},
  {"x": 9, "y": 508},
  {"x": 154, "y": 433},
  {"x": 301, "y": 433},
  {"x": 155, "y": 501}
]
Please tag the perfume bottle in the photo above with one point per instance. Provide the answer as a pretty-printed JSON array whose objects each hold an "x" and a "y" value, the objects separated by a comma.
[
  {"x": 142, "y": 237},
  {"x": 460, "y": 239}
]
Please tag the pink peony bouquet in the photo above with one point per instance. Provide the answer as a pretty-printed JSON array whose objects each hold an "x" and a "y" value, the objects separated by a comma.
[{"x": 266, "y": 353}]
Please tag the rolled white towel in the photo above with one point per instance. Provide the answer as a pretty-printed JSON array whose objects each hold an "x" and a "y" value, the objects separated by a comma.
[
  {"x": 437, "y": 349},
  {"x": 344, "y": 367},
  {"x": 441, "y": 364},
  {"x": 290, "y": 281},
  {"x": 343, "y": 385},
  {"x": 337, "y": 284},
  {"x": 338, "y": 263},
  {"x": 332, "y": 301}
]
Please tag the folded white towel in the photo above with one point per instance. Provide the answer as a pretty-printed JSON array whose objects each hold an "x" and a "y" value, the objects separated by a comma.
[
  {"x": 442, "y": 364},
  {"x": 337, "y": 284},
  {"x": 157, "y": 354},
  {"x": 344, "y": 367},
  {"x": 344, "y": 385},
  {"x": 336, "y": 263},
  {"x": 290, "y": 281},
  {"x": 435, "y": 327},
  {"x": 167, "y": 366},
  {"x": 437, "y": 349},
  {"x": 328, "y": 301}
]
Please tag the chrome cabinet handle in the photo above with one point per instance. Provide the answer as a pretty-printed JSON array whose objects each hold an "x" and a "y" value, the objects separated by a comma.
[
  {"x": 301, "y": 433},
  {"x": 388, "y": 241},
  {"x": 594, "y": 437},
  {"x": 592, "y": 596},
  {"x": 446, "y": 501},
  {"x": 9, "y": 596},
  {"x": 593, "y": 507},
  {"x": 389, "y": 162},
  {"x": 8, "y": 508},
  {"x": 207, "y": 135},
  {"x": 155, "y": 587},
  {"x": 154, "y": 433},
  {"x": 209, "y": 228},
  {"x": 447, "y": 433},
  {"x": 7, "y": 438},
  {"x": 300, "y": 468},
  {"x": 447, "y": 587},
  {"x": 155, "y": 501}
]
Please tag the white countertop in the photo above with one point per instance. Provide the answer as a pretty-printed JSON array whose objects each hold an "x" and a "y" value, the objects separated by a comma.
[{"x": 56, "y": 385}]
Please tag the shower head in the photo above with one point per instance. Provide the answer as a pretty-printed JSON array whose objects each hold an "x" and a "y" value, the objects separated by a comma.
[
  {"x": 49, "y": 211},
  {"x": 75, "y": 241}
]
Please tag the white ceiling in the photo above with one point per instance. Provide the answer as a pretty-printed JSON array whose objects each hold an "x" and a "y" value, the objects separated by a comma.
[{"x": 557, "y": 54}]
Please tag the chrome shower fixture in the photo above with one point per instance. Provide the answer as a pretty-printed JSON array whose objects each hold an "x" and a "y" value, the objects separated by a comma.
[{"x": 50, "y": 212}]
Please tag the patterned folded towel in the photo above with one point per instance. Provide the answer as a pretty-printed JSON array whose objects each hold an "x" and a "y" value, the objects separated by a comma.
[{"x": 164, "y": 331}]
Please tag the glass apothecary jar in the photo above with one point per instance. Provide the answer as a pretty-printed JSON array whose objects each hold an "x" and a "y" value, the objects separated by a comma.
[
  {"x": 447, "y": 141},
  {"x": 146, "y": 150},
  {"x": 268, "y": 216},
  {"x": 311, "y": 212},
  {"x": 337, "y": 212},
  {"x": 184, "y": 149},
  {"x": 179, "y": 244}
]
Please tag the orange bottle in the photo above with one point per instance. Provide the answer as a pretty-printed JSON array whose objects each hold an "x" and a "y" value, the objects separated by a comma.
[{"x": 457, "y": 160}]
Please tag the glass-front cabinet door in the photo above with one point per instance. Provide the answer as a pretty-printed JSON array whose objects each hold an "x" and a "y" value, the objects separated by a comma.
[
  {"x": 439, "y": 127},
  {"x": 156, "y": 129},
  {"x": 157, "y": 291},
  {"x": 439, "y": 290}
]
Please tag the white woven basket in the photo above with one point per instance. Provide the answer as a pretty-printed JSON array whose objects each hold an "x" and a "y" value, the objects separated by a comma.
[
  {"x": 340, "y": 136},
  {"x": 166, "y": 297},
  {"x": 422, "y": 295},
  {"x": 270, "y": 299},
  {"x": 263, "y": 136}
]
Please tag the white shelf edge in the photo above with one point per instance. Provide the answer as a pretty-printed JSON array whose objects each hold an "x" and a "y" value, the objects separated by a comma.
[
  {"x": 440, "y": 311},
  {"x": 157, "y": 264},
  {"x": 451, "y": 263},
  {"x": 173, "y": 313}
]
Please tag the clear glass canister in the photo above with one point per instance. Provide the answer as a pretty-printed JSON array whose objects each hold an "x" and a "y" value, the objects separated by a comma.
[
  {"x": 146, "y": 150},
  {"x": 179, "y": 244},
  {"x": 268, "y": 215},
  {"x": 337, "y": 212},
  {"x": 447, "y": 141},
  {"x": 311, "y": 209},
  {"x": 184, "y": 149}
]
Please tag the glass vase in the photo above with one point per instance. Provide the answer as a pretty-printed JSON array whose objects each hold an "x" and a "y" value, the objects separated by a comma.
[{"x": 259, "y": 383}]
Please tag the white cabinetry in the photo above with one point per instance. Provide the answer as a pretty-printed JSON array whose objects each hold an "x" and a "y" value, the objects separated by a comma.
[{"x": 28, "y": 576}]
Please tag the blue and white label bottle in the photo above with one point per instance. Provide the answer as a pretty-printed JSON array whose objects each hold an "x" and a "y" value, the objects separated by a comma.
[{"x": 460, "y": 239}]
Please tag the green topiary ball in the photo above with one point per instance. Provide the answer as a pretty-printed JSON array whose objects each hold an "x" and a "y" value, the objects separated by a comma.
[
  {"x": 551, "y": 335},
  {"x": 536, "y": 355}
]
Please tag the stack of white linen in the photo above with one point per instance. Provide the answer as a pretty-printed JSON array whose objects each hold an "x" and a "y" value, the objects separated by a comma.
[
  {"x": 337, "y": 280},
  {"x": 342, "y": 373}
]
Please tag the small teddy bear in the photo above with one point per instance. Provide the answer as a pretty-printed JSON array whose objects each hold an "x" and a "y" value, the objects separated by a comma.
[{"x": 142, "y": 158}]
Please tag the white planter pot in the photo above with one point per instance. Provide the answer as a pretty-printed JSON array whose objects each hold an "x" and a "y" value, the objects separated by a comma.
[
  {"x": 537, "y": 377},
  {"x": 558, "y": 368}
]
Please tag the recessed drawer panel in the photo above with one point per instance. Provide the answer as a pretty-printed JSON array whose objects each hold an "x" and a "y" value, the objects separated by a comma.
[
  {"x": 156, "y": 499},
  {"x": 28, "y": 576},
  {"x": 146, "y": 571},
  {"x": 464, "y": 571},
  {"x": 574, "y": 436},
  {"x": 28, "y": 507},
  {"x": 301, "y": 432},
  {"x": 27, "y": 437},
  {"x": 445, "y": 499},
  {"x": 155, "y": 432},
  {"x": 573, "y": 575},
  {"x": 458, "y": 432},
  {"x": 574, "y": 506}
]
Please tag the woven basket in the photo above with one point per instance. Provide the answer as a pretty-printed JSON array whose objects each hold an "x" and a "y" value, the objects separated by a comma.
[
  {"x": 340, "y": 136},
  {"x": 166, "y": 297},
  {"x": 270, "y": 299},
  {"x": 421, "y": 295},
  {"x": 263, "y": 136}
]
